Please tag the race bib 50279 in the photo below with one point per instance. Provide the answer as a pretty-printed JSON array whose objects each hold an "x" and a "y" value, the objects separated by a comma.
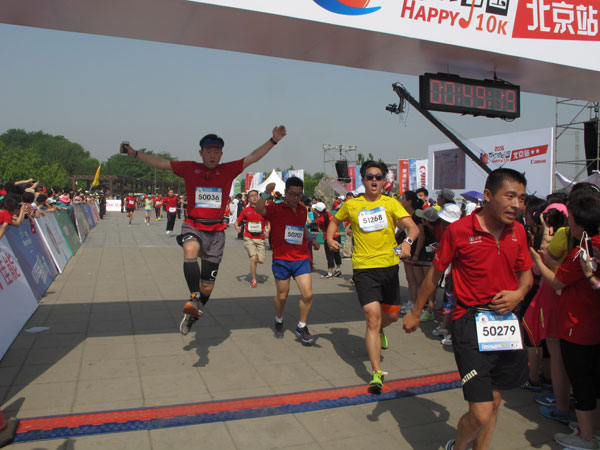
[
  {"x": 498, "y": 332},
  {"x": 208, "y": 197}
]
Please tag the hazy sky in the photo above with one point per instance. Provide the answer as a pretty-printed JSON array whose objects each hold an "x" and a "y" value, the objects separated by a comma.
[{"x": 98, "y": 91}]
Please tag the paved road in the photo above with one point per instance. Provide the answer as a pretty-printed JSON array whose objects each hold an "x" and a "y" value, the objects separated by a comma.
[{"x": 112, "y": 344}]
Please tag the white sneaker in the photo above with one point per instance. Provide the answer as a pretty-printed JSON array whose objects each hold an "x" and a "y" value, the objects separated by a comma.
[
  {"x": 447, "y": 340},
  {"x": 574, "y": 442},
  {"x": 439, "y": 331}
]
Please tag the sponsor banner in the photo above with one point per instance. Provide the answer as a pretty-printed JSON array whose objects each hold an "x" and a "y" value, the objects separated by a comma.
[
  {"x": 17, "y": 300},
  {"x": 87, "y": 212},
  {"x": 95, "y": 211},
  {"x": 33, "y": 257},
  {"x": 113, "y": 205},
  {"x": 68, "y": 230},
  {"x": 392, "y": 176},
  {"x": 418, "y": 174},
  {"x": 403, "y": 176},
  {"x": 48, "y": 228},
  {"x": 293, "y": 173},
  {"x": 563, "y": 32},
  {"x": 357, "y": 180},
  {"x": 352, "y": 172},
  {"x": 83, "y": 228},
  {"x": 529, "y": 152}
]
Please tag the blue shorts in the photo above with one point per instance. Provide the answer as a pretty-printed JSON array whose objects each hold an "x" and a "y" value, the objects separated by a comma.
[{"x": 283, "y": 269}]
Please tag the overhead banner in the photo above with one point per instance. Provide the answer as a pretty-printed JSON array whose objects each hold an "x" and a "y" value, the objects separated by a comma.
[
  {"x": 33, "y": 256},
  {"x": 565, "y": 33},
  {"x": 529, "y": 152},
  {"x": 17, "y": 301},
  {"x": 48, "y": 228},
  {"x": 68, "y": 230}
]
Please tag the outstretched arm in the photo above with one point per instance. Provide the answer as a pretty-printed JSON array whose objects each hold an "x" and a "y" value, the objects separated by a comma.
[
  {"x": 151, "y": 160},
  {"x": 278, "y": 134}
]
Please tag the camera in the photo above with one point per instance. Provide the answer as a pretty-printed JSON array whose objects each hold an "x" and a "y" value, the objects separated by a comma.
[{"x": 122, "y": 149}]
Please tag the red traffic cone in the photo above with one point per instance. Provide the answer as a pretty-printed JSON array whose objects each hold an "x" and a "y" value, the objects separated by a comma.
[{"x": 7, "y": 429}]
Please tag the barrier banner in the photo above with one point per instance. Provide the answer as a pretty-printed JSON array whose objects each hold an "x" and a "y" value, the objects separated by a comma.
[
  {"x": 83, "y": 228},
  {"x": 68, "y": 230},
  {"x": 87, "y": 211},
  {"x": 48, "y": 228},
  {"x": 95, "y": 211},
  {"x": 33, "y": 257},
  {"x": 17, "y": 300}
]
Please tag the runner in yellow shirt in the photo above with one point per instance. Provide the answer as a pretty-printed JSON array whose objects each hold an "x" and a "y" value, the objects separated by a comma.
[{"x": 375, "y": 260}]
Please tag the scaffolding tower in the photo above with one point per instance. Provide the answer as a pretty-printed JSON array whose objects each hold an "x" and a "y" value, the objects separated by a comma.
[
  {"x": 569, "y": 135},
  {"x": 338, "y": 152}
]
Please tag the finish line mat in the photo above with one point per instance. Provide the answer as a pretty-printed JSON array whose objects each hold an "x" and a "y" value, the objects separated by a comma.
[{"x": 152, "y": 418}]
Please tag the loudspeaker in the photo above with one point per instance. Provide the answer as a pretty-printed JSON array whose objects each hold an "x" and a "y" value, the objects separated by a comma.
[
  {"x": 341, "y": 168},
  {"x": 590, "y": 139}
]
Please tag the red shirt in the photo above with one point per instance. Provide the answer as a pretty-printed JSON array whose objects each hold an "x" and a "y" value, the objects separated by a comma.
[
  {"x": 207, "y": 190},
  {"x": 579, "y": 304},
  {"x": 171, "y": 202},
  {"x": 158, "y": 201},
  {"x": 320, "y": 221},
  {"x": 288, "y": 236},
  {"x": 481, "y": 266},
  {"x": 251, "y": 216},
  {"x": 130, "y": 201},
  {"x": 5, "y": 217}
]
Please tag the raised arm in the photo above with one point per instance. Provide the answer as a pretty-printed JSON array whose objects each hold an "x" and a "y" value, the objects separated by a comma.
[
  {"x": 278, "y": 134},
  {"x": 260, "y": 204},
  {"x": 151, "y": 160}
]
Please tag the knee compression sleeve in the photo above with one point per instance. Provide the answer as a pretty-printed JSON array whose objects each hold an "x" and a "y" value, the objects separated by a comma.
[{"x": 191, "y": 271}]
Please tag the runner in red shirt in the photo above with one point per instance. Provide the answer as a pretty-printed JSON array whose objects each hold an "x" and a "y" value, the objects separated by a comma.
[
  {"x": 491, "y": 274},
  {"x": 158, "y": 202},
  {"x": 290, "y": 253},
  {"x": 207, "y": 185},
  {"x": 254, "y": 234},
  {"x": 171, "y": 201},
  {"x": 130, "y": 202}
]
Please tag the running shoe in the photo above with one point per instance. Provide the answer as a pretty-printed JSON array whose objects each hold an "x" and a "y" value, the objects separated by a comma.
[
  {"x": 384, "y": 340},
  {"x": 253, "y": 283},
  {"x": 278, "y": 330},
  {"x": 533, "y": 386},
  {"x": 376, "y": 383},
  {"x": 574, "y": 426},
  {"x": 327, "y": 277},
  {"x": 426, "y": 316},
  {"x": 439, "y": 331},
  {"x": 304, "y": 335},
  {"x": 191, "y": 313},
  {"x": 545, "y": 399},
  {"x": 449, "y": 445},
  {"x": 337, "y": 273},
  {"x": 551, "y": 412},
  {"x": 447, "y": 340},
  {"x": 574, "y": 442}
]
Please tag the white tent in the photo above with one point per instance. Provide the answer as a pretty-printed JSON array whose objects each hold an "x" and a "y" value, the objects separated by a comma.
[
  {"x": 273, "y": 178},
  {"x": 594, "y": 178}
]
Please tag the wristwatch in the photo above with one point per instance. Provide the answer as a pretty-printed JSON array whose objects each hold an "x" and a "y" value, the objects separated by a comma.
[{"x": 409, "y": 241}]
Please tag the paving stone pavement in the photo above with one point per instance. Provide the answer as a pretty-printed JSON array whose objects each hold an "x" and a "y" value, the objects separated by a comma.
[{"x": 112, "y": 343}]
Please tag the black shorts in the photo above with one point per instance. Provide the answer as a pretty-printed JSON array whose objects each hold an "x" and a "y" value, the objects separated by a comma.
[
  {"x": 130, "y": 210},
  {"x": 484, "y": 372},
  {"x": 582, "y": 363},
  {"x": 378, "y": 285}
]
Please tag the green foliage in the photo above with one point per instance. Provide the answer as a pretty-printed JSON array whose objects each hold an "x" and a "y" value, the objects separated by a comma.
[
  {"x": 50, "y": 159},
  {"x": 123, "y": 166},
  {"x": 311, "y": 181}
]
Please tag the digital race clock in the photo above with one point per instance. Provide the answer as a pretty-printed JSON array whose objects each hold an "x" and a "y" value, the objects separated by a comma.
[{"x": 451, "y": 93}]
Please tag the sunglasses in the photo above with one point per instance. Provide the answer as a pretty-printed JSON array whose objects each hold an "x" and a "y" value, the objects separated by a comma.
[{"x": 370, "y": 177}]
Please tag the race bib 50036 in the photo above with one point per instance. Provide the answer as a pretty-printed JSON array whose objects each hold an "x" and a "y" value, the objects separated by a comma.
[{"x": 208, "y": 197}]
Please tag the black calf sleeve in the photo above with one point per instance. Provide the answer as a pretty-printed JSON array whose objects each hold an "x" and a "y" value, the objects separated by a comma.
[{"x": 191, "y": 271}]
